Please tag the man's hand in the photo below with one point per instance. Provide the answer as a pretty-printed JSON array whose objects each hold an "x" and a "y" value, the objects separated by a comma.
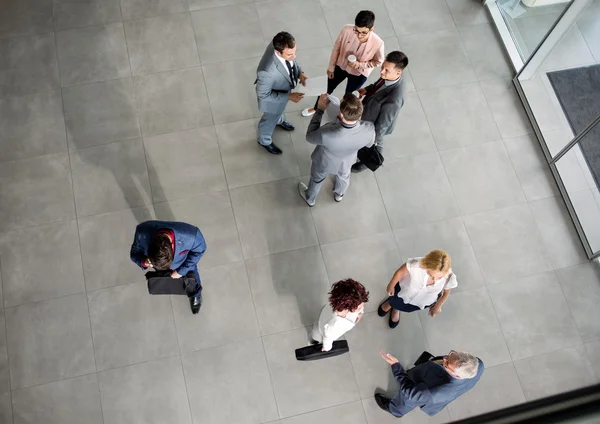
[
  {"x": 303, "y": 79},
  {"x": 434, "y": 310},
  {"x": 388, "y": 358},
  {"x": 330, "y": 74},
  {"x": 361, "y": 92},
  {"x": 147, "y": 263},
  {"x": 175, "y": 274},
  {"x": 323, "y": 102},
  {"x": 296, "y": 97}
]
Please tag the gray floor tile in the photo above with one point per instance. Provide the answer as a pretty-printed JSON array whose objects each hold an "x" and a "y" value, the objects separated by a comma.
[
  {"x": 302, "y": 149},
  {"x": 371, "y": 260},
  {"x": 459, "y": 116},
  {"x": 32, "y": 126},
  {"x": 110, "y": 177},
  {"x": 228, "y": 33},
  {"x": 580, "y": 286},
  {"x": 555, "y": 372},
  {"x": 455, "y": 328},
  {"x": 41, "y": 263},
  {"x": 468, "y": 12},
  {"x": 28, "y": 65},
  {"x": 130, "y": 326},
  {"x": 152, "y": 392},
  {"x": 4, "y": 371},
  {"x": 206, "y": 4},
  {"x": 419, "y": 16},
  {"x": 289, "y": 289},
  {"x": 308, "y": 26},
  {"x": 92, "y": 54},
  {"x": 373, "y": 333},
  {"x": 375, "y": 415},
  {"x": 306, "y": 386},
  {"x": 434, "y": 200},
  {"x": 593, "y": 351},
  {"x": 77, "y": 13},
  {"x": 213, "y": 214},
  {"x": 507, "y": 243},
  {"x": 160, "y": 44},
  {"x": 61, "y": 402},
  {"x": 217, "y": 324},
  {"x": 544, "y": 112},
  {"x": 485, "y": 50},
  {"x": 35, "y": 191},
  {"x": 22, "y": 17},
  {"x": 133, "y": 9},
  {"x": 105, "y": 244},
  {"x": 482, "y": 177},
  {"x": 361, "y": 212},
  {"x": 350, "y": 413},
  {"x": 49, "y": 341},
  {"x": 172, "y": 101},
  {"x": 532, "y": 327},
  {"x": 100, "y": 113},
  {"x": 498, "y": 388},
  {"x": 241, "y": 371},
  {"x": 342, "y": 12},
  {"x": 6, "y": 416},
  {"x": 506, "y": 107},
  {"x": 184, "y": 164},
  {"x": 246, "y": 162},
  {"x": 449, "y": 235},
  {"x": 590, "y": 28},
  {"x": 263, "y": 214}
]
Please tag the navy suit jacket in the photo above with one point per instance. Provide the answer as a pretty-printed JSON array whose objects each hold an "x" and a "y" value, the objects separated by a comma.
[
  {"x": 189, "y": 244},
  {"x": 429, "y": 386}
]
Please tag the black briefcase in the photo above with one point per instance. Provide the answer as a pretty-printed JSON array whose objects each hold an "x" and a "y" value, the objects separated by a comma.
[
  {"x": 371, "y": 157},
  {"x": 160, "y": 282},
  {"x": 425, "y": 356},
  {"x": 314, "y": 352}
]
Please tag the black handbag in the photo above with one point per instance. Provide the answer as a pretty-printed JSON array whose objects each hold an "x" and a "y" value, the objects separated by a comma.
[
  {"x": 425, "y": 356},
  {"x": 371, "y": 157},
  {"x": 160, "y": 282},
  {"x": 314, "y": 352}
]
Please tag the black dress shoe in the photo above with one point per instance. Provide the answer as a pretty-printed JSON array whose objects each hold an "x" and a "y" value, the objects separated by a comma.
[
  {"x": 380, "y": 310},
  {"x": 358, "y": 167},
  {"x": 195, "y": 303},
  {"x": 272, "y": 148},
  {"x": 286, "y": 126},
  {"x": 393, "y": 324},
  {"x": 383, "y": 402}
]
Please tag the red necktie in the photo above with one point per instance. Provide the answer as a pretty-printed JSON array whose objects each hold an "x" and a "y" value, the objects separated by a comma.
[{"x": 373, "y": 90}]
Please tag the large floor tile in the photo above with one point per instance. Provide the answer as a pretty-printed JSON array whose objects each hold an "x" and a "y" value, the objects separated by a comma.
[
  {"x": 41, "y": 263},
  {"x": 590, "y": 28},
  {"x": 101, "y": 113},
  {"x": 213, "y": 215},
  {"x": 306, "y": 386},
  {"x": 49, "y": 341},
  {"x": 246, "y": 162},
  {"x": 459, "y": 116},
  {"x": 419, "y": 16},
  {"x": 32, "y": 126},
  {"x": 437, "y": 59},
  {"x": 468, "y": 12},
  {"x": 581, "y": 289},
  {"x": 433, "y": 201},
  {"x": 130, "y": 326},
  {"x": 35, "y": 191},
  {"x": 448, "y": 235},
  {"x": 152, "y": 392},
  {"x": 555, "y": 372},
  {"x": 571, "y": 51},
  {"x": 76, "y": 13},
  {"x": 133, "y": 9},
  {"x": 456, "y": 329},
  {"x": 22, "y": 17},
  {"x": 4, "y": 370},
  {"x": 228, "y": 33},
  {"x": 172, "y": 101},
  {"x": 506, "y": 107},
  {"x": 61, "y": 402},
  {"x": 302, "y": 148},
  {"x": 6, "y": 416},
  {"x": 371, "y": 260},
  {"x": 161, "y": 44},
  {"x": 361, "y": 212},
  {"x": 308, "y": 26},
  {"x": 264, "y": 213},
  {"x": 342, "y": 12},
  {"x": 375, "y": 415},
  {"x": 92, "y": 54},
  {"x": 28, "y": 65},
  {"x": 105, "y": 244},
  {"x": 532, "y": 327},
  {"x": 110, "y": 177},
  {"x": 507, "y": 243},
  {"x": 350, "y": 413},
  {"x": 498, "y": 388},
  {"x": 238, "y": 370},
  {"x": 486, "y": 51},
  {"x": 544, "y": 112},
  {"x": 217, "y": 324},
  {"x": 289, "y": 289},
  {"x": 482, "y": 177},
  {"x": 593, "y": 351},
  {"x": 206, "y": 4}
]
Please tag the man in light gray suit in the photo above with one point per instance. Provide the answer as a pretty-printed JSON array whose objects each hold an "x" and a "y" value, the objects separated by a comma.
[
  {"x": 337, "y": 143},
  {"x": 277, "y": 74}
]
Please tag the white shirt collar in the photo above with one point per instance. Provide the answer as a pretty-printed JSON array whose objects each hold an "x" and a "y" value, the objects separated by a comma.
[
  {"x": 282, "y": 60},
  {"x": 388, "y": 83}
]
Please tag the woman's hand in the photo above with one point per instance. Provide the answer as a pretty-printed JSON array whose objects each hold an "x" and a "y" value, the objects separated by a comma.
[
  {"x": 390, "y": 289},
  {"x": 330, "y": 74},
  {"x": 434, "y": 310}
]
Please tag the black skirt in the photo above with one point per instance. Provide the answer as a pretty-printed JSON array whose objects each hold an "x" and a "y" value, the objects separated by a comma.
[{"x": 398, "y": 304}]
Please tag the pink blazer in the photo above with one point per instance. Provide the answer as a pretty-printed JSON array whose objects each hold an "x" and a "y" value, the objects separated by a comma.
[{"x": 369, "y": 55}]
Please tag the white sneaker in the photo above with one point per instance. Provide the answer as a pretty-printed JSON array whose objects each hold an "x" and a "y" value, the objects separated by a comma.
[
  {"x": 302, "y": 191},
  {"x": 337, "y": 197},
  {"x": 306, "y": 112}
]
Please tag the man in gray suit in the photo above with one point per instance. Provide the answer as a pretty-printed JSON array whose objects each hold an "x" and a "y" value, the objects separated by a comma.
[
  {"x": 383, "y": 100},
  {"x": 277, "y": 74},
  {"x": 337, "y": 143}
]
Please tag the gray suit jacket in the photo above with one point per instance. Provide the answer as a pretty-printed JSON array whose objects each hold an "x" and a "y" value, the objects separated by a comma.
[
  {"x": 337, "y": 143},
  {"x": 273, "y": 82},
  {"x": 382, "y": 108}
]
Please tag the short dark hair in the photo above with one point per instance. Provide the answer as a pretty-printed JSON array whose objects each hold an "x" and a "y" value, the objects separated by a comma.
[
  {"x": 160, "y": 252},
  {"x": 347, "y": 295},
  {"x": 351, "y": 107},
  {"x": 283, "y": 40},
  {"x": 398, "y": 58},
  {"x": 364, "y": 19}
]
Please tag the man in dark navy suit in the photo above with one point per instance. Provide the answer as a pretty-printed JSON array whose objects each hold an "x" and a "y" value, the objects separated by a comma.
[{"x": 174, "y": 246}]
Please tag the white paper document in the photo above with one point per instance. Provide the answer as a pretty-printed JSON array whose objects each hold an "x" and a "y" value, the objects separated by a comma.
[{"x": 314, "y": 86}]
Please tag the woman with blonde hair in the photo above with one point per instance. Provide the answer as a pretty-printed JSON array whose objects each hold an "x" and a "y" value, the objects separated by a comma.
[{"x": 418, "y": 284}]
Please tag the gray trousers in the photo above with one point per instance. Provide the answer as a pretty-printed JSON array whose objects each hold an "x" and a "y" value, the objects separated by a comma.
[
  {"x": 317, "y": 177},
  {"x": 267, "y": 125}
]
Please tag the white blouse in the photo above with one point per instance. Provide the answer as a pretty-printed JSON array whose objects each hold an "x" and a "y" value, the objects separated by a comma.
[
  {"x": 414, "y": 289},
  {"x": 331, "y": 326}
]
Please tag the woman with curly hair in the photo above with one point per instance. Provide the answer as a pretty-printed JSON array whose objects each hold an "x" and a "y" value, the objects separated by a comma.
[{"x": 346, "y": 306}]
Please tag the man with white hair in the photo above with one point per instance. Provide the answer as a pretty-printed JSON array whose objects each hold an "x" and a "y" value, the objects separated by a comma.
[{"x": 431, "y": 384}]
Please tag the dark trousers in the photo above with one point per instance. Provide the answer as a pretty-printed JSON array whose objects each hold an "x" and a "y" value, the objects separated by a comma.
[
  {"x": 193, "y": 290},
  {"x": 339, "y": 75}
]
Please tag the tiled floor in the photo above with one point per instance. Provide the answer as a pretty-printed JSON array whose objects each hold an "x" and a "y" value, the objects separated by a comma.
[{"x": 112, "y": 113}]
